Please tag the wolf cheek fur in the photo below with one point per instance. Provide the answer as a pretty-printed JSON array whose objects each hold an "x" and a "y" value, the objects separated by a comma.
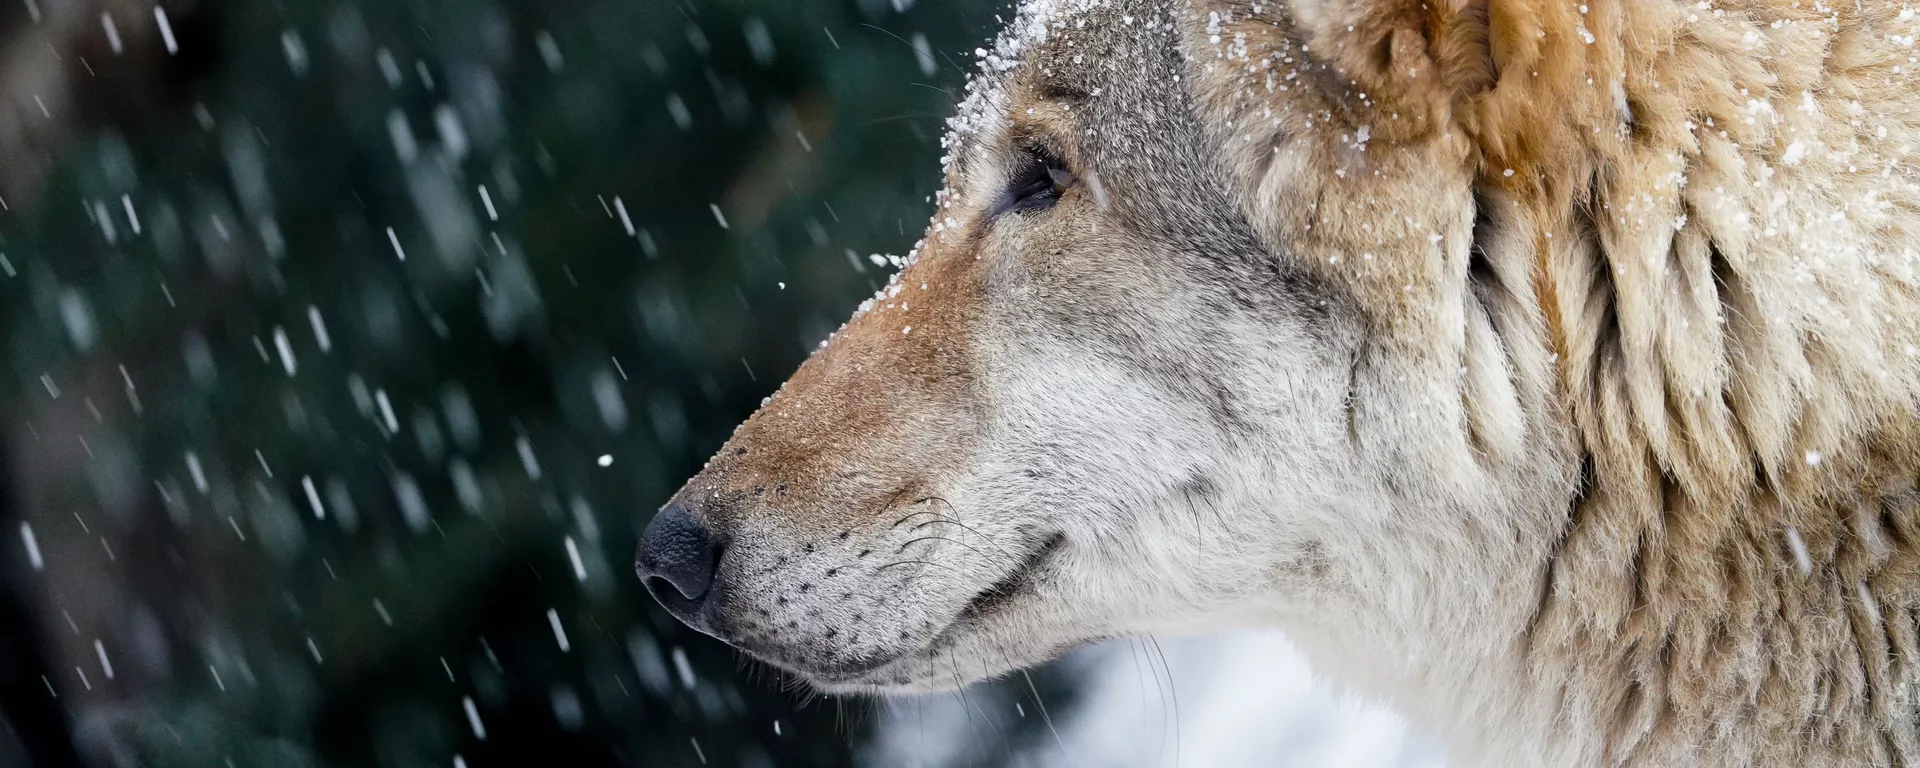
[{"x": 1548, "y": 369}]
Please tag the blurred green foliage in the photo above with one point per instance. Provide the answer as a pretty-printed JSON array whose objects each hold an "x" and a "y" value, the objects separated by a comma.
[{"x": 312, "y": 497}]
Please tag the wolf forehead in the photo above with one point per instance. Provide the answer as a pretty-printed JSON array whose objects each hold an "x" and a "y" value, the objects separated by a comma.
[
  {"x": 1137, "y": 53},
  {"x": 1103, "y": 85},
  {"x": 1166, "y": 90},
  {"x": 1060, "y": 54}
]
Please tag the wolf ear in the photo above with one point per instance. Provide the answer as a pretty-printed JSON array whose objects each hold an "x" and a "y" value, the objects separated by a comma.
[{"x": 1396, "y": 51}]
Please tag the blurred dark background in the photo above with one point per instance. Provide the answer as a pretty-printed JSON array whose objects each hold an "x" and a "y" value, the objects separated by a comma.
[{"x": 347, "y": 344}]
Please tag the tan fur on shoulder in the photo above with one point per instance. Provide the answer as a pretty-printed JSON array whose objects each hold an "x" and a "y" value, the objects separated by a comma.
[{"x": 1714, "y": 206}]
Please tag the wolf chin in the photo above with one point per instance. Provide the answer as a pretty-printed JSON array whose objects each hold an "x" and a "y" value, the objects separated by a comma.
[{"x": 1546, "y": 369}]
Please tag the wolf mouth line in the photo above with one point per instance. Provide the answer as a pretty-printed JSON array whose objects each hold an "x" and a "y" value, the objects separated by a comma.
[
  {"x": 981, "y": 608},
  {"x": 1006, "y": 589}
]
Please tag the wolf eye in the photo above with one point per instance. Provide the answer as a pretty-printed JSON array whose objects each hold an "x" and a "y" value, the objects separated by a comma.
[{"x": 1035, "y": 185}]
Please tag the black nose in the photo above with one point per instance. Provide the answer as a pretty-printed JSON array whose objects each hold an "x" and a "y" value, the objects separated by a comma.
[{"x": 677, "y": 559}]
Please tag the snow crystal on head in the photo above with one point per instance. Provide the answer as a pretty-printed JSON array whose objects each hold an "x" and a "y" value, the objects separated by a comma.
[{"x": 985, "y": 106}]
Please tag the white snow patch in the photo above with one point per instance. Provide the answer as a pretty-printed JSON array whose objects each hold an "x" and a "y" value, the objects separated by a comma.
[
  {"x": 681, "y": 666},
  {"x": 1796, "y": 152},
  {"x": 100, "y": 649},
  {"x": 199, "y": 474},
  {"x": 33, "y": 547},
  {"x": 395, "y": 241},
  {"x": 559, "y": 632},
  {"x": 473, "y": 718},
  {"x": 166, "y": 30},
  {"x": 1799, "y": 547},
  {"x": 285, "y": 347},
  {"x": 313, "y": 497},
  {"x": 573, "y": 556},
  {"x": 113, "y": 32},
  {"x": 527, "y": 459}
]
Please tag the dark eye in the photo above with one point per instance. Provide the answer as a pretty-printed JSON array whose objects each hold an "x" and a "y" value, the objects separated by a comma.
[{"x": 1035, "y": 185}]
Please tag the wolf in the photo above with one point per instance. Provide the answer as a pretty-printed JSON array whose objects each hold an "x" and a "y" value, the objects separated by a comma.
[{"x": 1546, "y": 369}]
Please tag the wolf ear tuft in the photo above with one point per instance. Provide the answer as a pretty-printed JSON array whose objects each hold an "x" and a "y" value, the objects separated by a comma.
[{"x": 1409, "y": 52}]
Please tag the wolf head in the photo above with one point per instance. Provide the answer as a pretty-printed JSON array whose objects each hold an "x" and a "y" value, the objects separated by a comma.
[{"x": 1191, "y": 342}]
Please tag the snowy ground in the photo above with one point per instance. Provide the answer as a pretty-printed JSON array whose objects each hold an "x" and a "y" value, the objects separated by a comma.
[{"x": 1241, "y": 699}]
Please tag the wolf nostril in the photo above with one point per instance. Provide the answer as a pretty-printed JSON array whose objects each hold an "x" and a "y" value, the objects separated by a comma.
[{"x": 677, "y": 559}]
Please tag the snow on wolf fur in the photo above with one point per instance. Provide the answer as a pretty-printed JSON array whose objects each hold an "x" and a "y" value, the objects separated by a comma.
[{"x": 1548, "y": 369}]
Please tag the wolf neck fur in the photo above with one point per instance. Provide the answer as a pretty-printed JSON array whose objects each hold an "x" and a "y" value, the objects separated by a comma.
[{"x": 1699, "y": 262}]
